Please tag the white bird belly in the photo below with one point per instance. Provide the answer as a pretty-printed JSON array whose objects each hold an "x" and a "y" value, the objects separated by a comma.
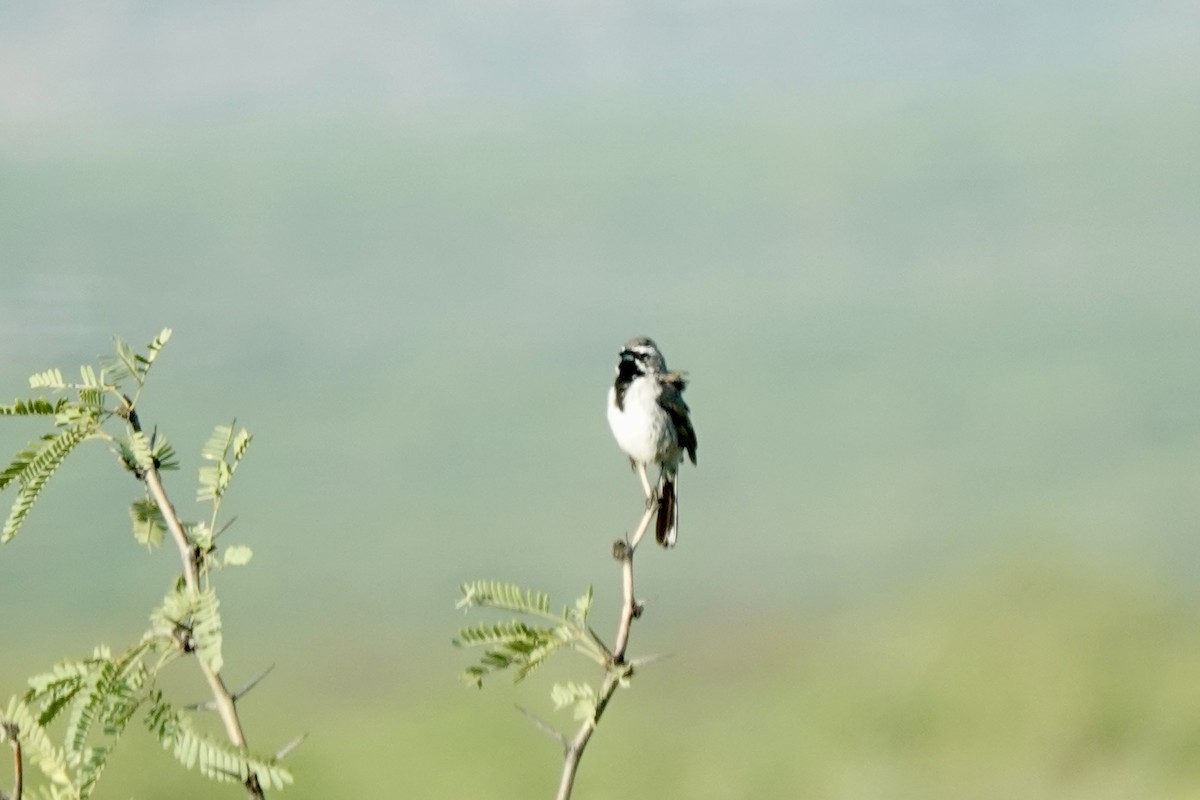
[{"x": 641, "y": 428}]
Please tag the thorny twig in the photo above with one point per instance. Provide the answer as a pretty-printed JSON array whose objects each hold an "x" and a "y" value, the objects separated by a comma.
[{"x": 223, "y": 700}]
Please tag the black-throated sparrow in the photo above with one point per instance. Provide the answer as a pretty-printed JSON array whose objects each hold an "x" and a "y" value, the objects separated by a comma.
[{"x": 650, "y": 422}]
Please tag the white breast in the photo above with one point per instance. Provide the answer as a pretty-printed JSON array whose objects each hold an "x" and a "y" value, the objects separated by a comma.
[{"x": 642, "y": 429}]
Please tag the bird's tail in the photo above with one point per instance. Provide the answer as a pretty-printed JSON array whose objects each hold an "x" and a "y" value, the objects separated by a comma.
[{"x": 667, "y": 525}]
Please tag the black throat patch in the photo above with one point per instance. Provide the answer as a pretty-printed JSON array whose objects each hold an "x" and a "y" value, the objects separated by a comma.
[{"x": 627, "y": 370}]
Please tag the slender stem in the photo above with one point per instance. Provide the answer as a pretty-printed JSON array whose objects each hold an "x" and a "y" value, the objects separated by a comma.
[
  {"x": 570, "y": 767},
  {"x": 222, "y": 698},
  {"x": 618, "y": 670},
  {"x": 187, "y": 555},
  {"x": 629, "y": 608},
  {"x": 19, "y": 769},
  {"x": 18, "y": 762}
]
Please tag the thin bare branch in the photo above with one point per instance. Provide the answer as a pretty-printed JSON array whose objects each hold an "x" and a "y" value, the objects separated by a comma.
[
  {"x": 618, "y": 669},
  {"x": 630, "y": 609}
]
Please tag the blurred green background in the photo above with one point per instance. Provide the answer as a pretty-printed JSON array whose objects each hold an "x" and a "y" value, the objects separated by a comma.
[{"x": 932, "y": 268}]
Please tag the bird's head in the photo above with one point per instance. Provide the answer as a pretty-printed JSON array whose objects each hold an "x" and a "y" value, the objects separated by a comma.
[{"x": 640, "y": 356}]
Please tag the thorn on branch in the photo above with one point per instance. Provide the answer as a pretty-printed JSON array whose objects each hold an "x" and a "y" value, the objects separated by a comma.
[
  {"x": 287, "y": 749},
  {"x": 642, "y": 661},
  {"x": 546, "y": 728},
  {"x": 211, "y": 705},
  {"x": 153, "y": 440},
  {"x": 208, "y": 705},
  {"x": 638, "y": 607},
  {"x": 245, "y": 690},
  {"x": 217, "y": 534}
]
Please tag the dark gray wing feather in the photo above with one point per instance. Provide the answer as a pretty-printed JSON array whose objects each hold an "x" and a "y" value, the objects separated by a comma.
[{"x": 671, "y": 400}]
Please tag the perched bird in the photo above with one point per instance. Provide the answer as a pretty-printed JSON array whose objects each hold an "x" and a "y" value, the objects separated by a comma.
[{"x": 650, "y": 422}]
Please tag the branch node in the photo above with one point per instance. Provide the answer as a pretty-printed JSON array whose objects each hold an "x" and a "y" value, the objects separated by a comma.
[
  {"x": 126, "y": 412},
  {"x": 621, "y": 550},
  {"x": 182, "y": 634}
]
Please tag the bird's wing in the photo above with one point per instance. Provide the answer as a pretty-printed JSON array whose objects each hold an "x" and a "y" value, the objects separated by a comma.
[{"x": 671, "y": 400}]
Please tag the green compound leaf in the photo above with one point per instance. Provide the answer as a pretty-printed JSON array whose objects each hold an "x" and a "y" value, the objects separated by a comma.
[
  {"x": 236, "y": 555},
  {"x": 32, "y": 467},
  {"x": 225, "y": 449},
  {"x": 34, "y": 406},
  {"x": 505, "y": 596},
  {"x": 196, "y": 612},
  {"x": 148, "y": 522},
  {"x": 581, "y": 697},
  {"x": 216, "y": 760}
]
